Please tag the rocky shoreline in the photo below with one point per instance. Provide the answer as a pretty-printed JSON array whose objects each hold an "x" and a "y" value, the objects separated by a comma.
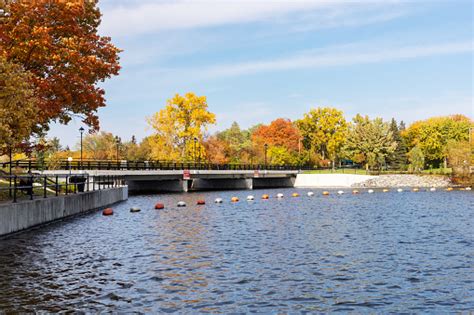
[{"x": 387, "y": 181}]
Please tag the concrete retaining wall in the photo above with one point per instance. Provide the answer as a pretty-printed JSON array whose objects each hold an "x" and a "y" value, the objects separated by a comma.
[
  {"x": 330, "y": 180},
  {"x": 15, "y": 217}
]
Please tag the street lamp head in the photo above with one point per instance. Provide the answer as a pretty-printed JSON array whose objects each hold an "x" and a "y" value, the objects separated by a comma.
[
  {"x": 265, "y": 145},
  {"x": 69, "y": 159},
  {"x": 81, "y": 130}
]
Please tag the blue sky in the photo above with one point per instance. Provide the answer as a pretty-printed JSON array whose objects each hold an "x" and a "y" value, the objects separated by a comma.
[{"x": 260, "y": 60}]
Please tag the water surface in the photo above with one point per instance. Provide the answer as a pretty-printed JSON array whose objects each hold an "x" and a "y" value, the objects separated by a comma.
[{"x": 381, "y": 252}]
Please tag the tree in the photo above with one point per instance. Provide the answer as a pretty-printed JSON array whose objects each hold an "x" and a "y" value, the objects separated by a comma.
[
  {"x": 18, "y": 110},
  {"x": 432, "y": 135},
  {"x": 398, "y": 159},
  {"x": 370, "y": 141},
  {"x": 100, "y": 146},
  {"x": 58, "y": 43},
  {"x": 282, "y": 137},
  {"x": 215, "y": 149},
  {"x": 236, "y": 144},
  {"x": 417, "y": 160},
  {"x": 459, "y": 156},
  {"x": 324, "y": 131},
  {"x": 183, "y": 119}
]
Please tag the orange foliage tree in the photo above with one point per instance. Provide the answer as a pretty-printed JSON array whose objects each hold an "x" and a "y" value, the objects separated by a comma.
[{"x": 58, "y": 43}]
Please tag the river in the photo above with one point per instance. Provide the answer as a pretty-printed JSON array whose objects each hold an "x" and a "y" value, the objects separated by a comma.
[{"x": 380, "y": 252}]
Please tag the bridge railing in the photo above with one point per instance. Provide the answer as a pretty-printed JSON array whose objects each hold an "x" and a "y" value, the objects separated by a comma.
[
  {"x": 31, "y": 186},
  {"x": 32, "y": 164}
]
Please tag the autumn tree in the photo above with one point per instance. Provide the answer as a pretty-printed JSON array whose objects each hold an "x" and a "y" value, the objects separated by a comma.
[
  {"x": 177, "y": 125},
  {"x": 17, "y": 105},
  {"x": 58, "y": 43},
  {"x": 432, "y": 135},
  {"x": 100, "y": 146},
  {"x": 324, "y": 131},
  {"x": 282, "y": 138},
  {"x": 216, "y": 150},
  {"x": 370, "y": 141},
  {"x": 459, "y": 157}
]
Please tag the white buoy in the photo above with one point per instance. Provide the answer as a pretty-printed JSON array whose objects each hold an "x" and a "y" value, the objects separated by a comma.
[
  {"x": 370, "y": 191},
  {"x": 134, "y": 209},
  {"x": 340, "y": 192},
  {"x": 468, "y": 188},
  {"x": 432, "y": 189},
  {"x": 218, "y": 200},
  {"x": 399, "y": 190},
  {"x": 250, "y": 198},
  {"x": 310, "y": 193},
  {"x": 280, "y": 196},
  {"x": 181, "y": 204}
]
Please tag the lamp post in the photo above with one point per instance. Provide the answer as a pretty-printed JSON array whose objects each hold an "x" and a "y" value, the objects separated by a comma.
[
  {"x": 194, "y": 151},
  {"x": 69, "y": 160},
  {"x": 266, "y": 148},
  {"x": 81, "y": 130},
  {"x": 117, "y": 142}
]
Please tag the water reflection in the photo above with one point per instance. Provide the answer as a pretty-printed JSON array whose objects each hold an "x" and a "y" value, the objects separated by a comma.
[{"x": 365, "y": 253}]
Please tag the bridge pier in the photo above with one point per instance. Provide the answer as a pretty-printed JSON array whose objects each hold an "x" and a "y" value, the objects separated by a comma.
[{"x": 156, "y": 186}]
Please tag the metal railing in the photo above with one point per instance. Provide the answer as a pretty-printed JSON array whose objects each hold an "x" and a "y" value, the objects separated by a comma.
[
  {"x": 143, "y": 165},
  {"x": 32, "y": 186}
]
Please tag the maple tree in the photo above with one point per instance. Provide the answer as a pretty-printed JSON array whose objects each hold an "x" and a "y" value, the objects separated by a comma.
[{"x": 58, "y": 43}]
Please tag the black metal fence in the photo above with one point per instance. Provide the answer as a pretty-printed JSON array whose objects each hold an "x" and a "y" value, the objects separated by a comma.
[
  {"x": 142, "y": 165},
  {"x": 32, "y": 186}
]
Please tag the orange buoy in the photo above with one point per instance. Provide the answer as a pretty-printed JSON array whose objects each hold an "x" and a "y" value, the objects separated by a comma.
[
  {"x": 325, "y": 193},
  {"x": 108, "y": 211},
  {"x": 159, "y": 206},
  {"x": 355, "y": 191},
  {"x": 234, "y": 199},
  {"x": 385, "y": 190},
  {"x": 415, "y": 189},
  {"x": 201, "y": 202},
  {"x": 295, "y": 195},
  {"x": 449, "y": 188},
  {"x": 265, "y": 196}
]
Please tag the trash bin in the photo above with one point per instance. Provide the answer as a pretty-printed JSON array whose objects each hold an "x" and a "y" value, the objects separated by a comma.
[{"x": 80, "y": 182}]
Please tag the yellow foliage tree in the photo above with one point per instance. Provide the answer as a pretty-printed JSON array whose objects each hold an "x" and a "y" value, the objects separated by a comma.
[{"x": 179, "y": 127}]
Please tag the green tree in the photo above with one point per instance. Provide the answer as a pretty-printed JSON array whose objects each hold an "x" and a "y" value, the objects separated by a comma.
[
  {"x": 370, "y": 141},
  {"x": 99, "y": 146},
  {"x": 459, "y": 157},
  {"x": 324, "y": 131},
  {"x": 398, "y": 159},
  {"x": 416, "y": 159},
  {"x": 183, "y": 119},
  {"x": 279, "y": 155},
  {"x": 237, "y": 144}
]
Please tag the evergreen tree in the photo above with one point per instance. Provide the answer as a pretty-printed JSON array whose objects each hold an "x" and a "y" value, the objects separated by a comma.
[{"x": 398, "y": 159}]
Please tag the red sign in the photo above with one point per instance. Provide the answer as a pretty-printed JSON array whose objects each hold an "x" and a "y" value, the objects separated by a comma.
[
  {"x": 256, "y": 173},
  {"x": 186, "y": 174}
]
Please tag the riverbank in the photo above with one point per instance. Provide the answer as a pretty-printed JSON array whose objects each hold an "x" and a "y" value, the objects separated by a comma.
[
  {"x": 19, "y": 216},
  {"x": 366, "y": 181}
]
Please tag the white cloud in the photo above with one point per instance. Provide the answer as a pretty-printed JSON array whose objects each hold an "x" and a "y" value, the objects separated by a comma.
[
  {"x": 148, "y": 17},
  {"x": 329, "y": 59}
]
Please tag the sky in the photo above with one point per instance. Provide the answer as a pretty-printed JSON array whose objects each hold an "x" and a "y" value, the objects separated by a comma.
[{"x": 259, "y": 60}]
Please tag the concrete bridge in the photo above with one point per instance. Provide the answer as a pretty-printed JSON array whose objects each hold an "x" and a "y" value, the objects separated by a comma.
[{"x": 151, "y": 181}]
